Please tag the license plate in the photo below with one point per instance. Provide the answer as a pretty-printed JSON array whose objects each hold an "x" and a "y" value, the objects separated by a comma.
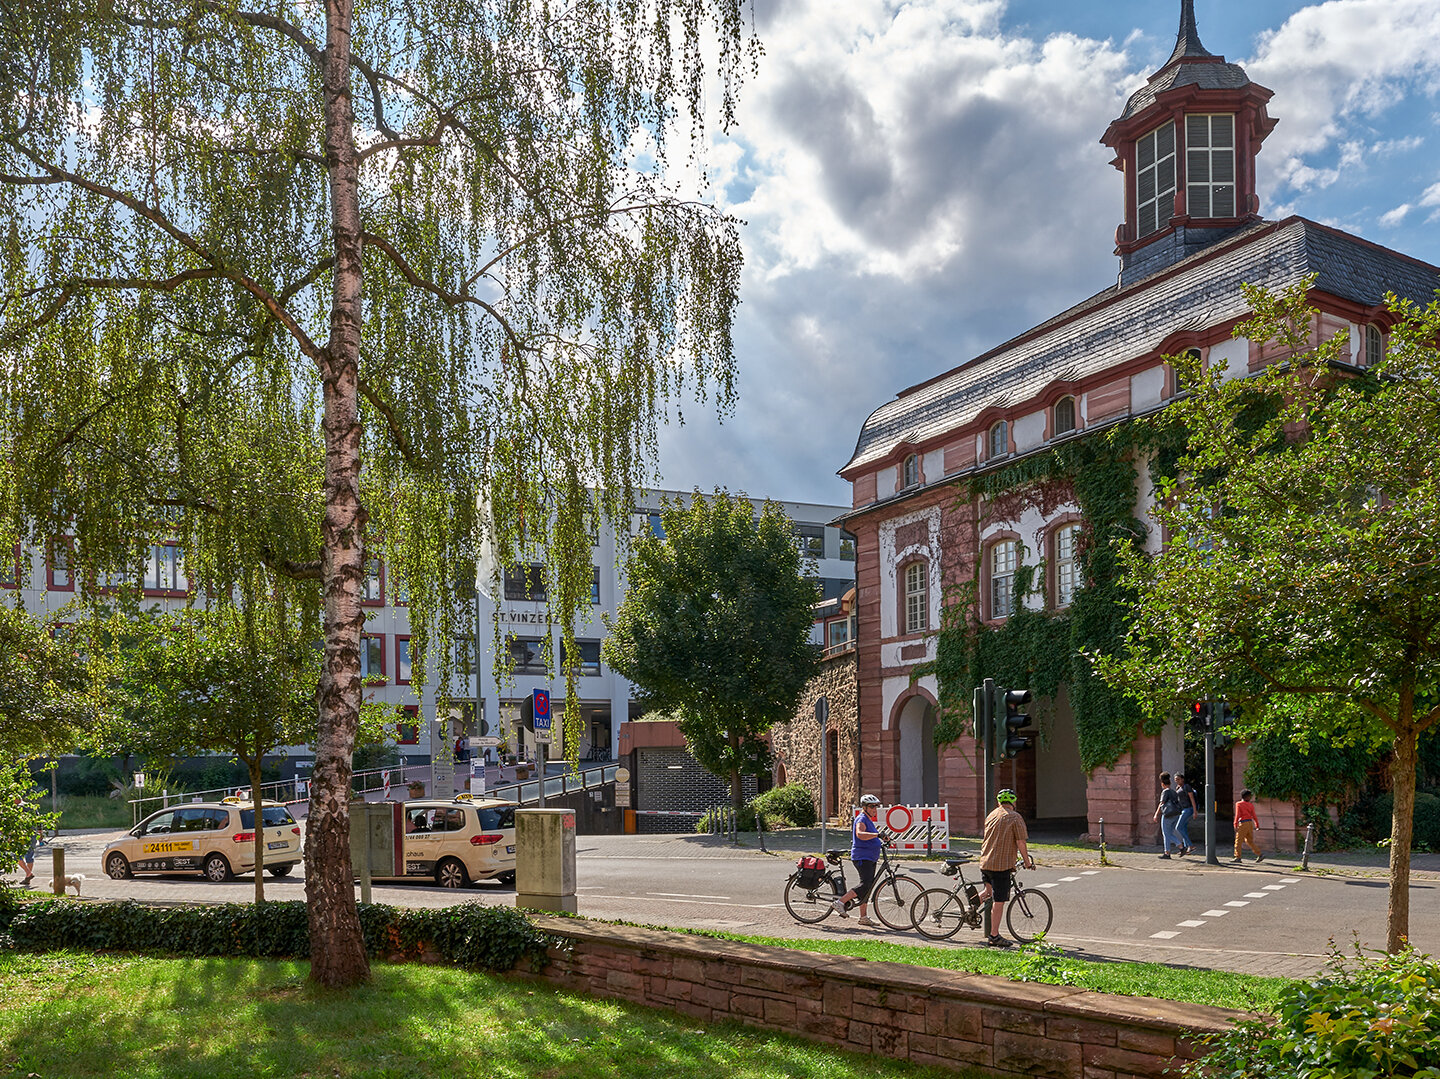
[
  {"x": 510, "y": 850},
  {"x": 281, "y": 845}
]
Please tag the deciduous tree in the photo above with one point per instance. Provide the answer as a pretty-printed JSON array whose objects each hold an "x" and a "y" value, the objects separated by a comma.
[
  {"x": 715, "y": 626},
  {"x": 300, "y": 284},
  {"x": 1302, "y": 574}
]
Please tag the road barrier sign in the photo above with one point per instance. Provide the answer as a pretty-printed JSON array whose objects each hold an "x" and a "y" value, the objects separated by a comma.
[{"x": 916, "y": 826}]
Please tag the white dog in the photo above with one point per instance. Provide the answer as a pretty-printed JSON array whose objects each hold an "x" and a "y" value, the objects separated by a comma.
[{"x": 68, "y": 882}]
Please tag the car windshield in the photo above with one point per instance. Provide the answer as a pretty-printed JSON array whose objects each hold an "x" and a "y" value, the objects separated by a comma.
[{"x": 275, "y": 816}]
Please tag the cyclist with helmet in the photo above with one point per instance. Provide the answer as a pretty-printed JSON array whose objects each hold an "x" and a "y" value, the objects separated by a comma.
[
  {"x": 865, "y": 855},
  {"x": 1004, "y": 842}
]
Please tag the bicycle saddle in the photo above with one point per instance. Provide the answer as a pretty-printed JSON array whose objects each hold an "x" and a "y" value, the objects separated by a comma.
[{"x": 834, "y": 856}]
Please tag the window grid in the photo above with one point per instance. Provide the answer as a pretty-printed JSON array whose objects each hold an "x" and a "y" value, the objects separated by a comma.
[
  {"x": 58, "y": 577},
  {"x": 165, "y": 571},
  {"x": 1374, "y": 345},
  {"x": 999, "y": 439},
  {"x": 1003, "y": 558},
  {"x": 407, "y": 729},
  {"x": 1067, "y": 569},
  {"x": 589, "y": 665},
  {"x": 1064, "y": 415},
  {"x": 1155, "y": 179},
  {"x": 402, "y": 660},
  {"x": 917, "y": 599},
  {"x": 1210, "y": 165},
  {"x": 911, "y": 471},
  {"x": 372, "y": 656},
  {"x": 372, "y": 587},
  {"x": 10, "y": 569}
]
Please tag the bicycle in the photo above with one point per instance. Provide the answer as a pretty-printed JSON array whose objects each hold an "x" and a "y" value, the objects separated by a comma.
[
  {"x": 811, "y": 890},
  {"x": 939, "y": 913}
]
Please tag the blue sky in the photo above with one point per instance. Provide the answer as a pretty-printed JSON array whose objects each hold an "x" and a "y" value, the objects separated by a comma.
[{"x": 924, "y": 179}]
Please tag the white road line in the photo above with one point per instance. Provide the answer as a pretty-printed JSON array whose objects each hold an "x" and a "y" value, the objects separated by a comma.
[
  {"x": 1193, "y": 923},
  {"x": 1237, "y": 903},
  {"x": 1048, "y": 884},
  {"x": 1256, "y": 895},
  {"x": 1166, "y": 935},
  {"x": 1067, "y": 880},
  {"x": 1289, "y": 880},
  {"x": 1089, "y": 872},
  {"x": 1214, "y": 913},
  {"x": 1273, "y": 888},
  {"x": 686, "y": 895}
]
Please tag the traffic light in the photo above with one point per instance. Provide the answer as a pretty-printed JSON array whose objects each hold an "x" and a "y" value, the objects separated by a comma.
[
  {"x": 1011, "y": 728},
  {"x": 1201, "y": 715},
  {"x": 982, "y": 714},
  {"x": 1224, "y": 716}
]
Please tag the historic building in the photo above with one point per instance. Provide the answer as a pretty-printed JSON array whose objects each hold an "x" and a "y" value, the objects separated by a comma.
[{"x": 1185, "y": 148}]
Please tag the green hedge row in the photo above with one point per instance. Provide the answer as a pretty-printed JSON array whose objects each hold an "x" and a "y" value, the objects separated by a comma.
[{"x": 469, "y": 935}]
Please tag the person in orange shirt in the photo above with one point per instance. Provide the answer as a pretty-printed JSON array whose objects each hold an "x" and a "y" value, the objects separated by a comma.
[{"x": 1246, "y": 822}]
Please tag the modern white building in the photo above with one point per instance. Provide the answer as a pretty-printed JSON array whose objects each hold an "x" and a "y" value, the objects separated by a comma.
[{"x": 41, "y": 579}]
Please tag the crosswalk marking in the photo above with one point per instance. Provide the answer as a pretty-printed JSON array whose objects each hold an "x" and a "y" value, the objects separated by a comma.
[
  {"x": 1289, "y": 880},
  {"x": 1193, "y": 923},
  {"x": 1256, "y": 895},
  {"x": 1165, "y": 935},
  {"x": 1068, "y": 879},
  {"x": 1214, "y": 913},
  {"x": 1237, "y": 903},
  {"x": 1273, "y": 888},
  {"x": 1048, "y": 884},
  {"x": 1089, "y": 872}
]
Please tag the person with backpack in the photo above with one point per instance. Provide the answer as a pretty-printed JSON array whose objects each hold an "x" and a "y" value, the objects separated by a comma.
[{"x": 1168, "y": 814}]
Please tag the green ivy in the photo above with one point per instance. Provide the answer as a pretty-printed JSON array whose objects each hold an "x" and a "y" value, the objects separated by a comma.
[
  {"x": 470, "y": 935},
  {"x": 1043, "y": 650}
]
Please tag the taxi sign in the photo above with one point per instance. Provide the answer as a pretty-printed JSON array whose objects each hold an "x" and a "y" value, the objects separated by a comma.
[{"x": 541, "y": 707}]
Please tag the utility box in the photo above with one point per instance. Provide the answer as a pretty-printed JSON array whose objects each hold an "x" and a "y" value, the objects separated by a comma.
[
  {"x": 545, "y": 859},
  {"x": 376, "y": 835}
]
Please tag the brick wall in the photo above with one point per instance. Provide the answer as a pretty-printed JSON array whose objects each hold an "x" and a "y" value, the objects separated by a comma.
[{"x": 918, "y": 1014}]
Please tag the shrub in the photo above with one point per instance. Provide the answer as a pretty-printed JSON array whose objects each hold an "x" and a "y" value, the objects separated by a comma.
[
  {"x": 1366, "y": 1018},
  {"x": 1427, "y": 818},
  {"x": 89, "y": 776},
  {"x": 790, "y": 806},
  {"x": 471, "y": 935}
]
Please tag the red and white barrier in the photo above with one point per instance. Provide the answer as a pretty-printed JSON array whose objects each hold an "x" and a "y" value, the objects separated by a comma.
[{"x": 915, "y": 826}]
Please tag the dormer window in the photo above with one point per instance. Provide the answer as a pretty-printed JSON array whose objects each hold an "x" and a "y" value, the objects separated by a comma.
[
  {"x": 1210, "y": 166},
  {"x": 999, "y": 440},
  {"x": 1374, "y": 345},
  {"x": 1064, "y": 415},
  {"x": 910, "y": 471},
  {"x": 1155, "y": 179}
]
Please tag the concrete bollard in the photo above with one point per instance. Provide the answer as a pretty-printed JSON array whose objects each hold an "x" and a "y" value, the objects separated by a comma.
[{"x": 545, "y": 859}]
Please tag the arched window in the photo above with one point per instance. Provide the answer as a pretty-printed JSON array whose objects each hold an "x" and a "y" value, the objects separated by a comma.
[
  {"x": 1067, "y": 564},
  {"x": 1374, "y": 345},
  {"x": 1064, "y": 415},
  {"x": 999, "y": 441},
  {"x": 1004, "y": 557},
  {"x": 917, "y": 598},
  {"x": 910, "y": 471}
]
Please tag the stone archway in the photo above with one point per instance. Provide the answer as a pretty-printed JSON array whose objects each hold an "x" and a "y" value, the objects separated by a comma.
[{"x": 918, "y": 759}]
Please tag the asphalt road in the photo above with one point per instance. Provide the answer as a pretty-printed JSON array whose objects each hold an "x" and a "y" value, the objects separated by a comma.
[{"x": 1264, "y": 919}]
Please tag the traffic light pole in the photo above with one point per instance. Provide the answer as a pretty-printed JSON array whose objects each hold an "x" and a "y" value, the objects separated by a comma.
[
  {"x": 1211, "y": 858},
  {"x": 988, "y": 747}
]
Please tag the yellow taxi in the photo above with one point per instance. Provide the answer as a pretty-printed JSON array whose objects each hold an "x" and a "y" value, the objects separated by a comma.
[
  {"x": 456, "y": 841},
  {"x": 213, "y": 838}
]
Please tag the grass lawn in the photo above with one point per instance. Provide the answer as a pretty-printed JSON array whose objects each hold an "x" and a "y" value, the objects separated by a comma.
[
  {"x": 1220, "y": 988},
  {"x": 90, "y": 811},
  {"x": 65, "y": 1015}
]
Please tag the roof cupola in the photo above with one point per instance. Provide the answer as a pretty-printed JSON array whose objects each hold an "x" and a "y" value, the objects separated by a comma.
[{"x": 1186, "y": 145}]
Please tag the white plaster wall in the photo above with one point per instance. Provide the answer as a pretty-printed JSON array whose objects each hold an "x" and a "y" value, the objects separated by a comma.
[
  {"x": 1082, "y": 405},
  {"x": 890, "y": 652},
  {"x": 1029, "y": 431},
  {"x": 890, "y": 558},
  {"x": 1147, "y": 389},
  {"x": 1145, "y": 495},
  {"x": 1357, "y": 344},
  {"x": 892, "y": 688},
  {"x": 1172, "y": 752},
  {"x": 1235, "y": 353},
  {"x": 934, "y": 465},
  {"x": 885, "y": 482}
]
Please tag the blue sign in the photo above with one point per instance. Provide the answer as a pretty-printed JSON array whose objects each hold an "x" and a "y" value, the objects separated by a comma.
[{"x": 541, "y": 704}]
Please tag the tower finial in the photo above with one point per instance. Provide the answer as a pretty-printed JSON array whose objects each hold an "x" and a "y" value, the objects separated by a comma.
[{"x": 1187, "y": 41}]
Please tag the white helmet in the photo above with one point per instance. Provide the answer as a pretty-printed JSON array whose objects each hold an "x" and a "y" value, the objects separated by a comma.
[{"x": 869, "y": 800}]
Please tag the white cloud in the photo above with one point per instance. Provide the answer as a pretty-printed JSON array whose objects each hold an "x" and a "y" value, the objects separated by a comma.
[{"x": 1394, "y": 217}]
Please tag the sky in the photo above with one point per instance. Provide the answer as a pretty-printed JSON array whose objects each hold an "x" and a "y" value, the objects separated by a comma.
[{"x": 922, "y": 180}]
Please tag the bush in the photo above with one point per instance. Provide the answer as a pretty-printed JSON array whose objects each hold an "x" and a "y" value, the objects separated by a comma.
[
  {"x": 790, "y": 806},
  {"x": 718, "y": 820},
  {"x": 89, "y": 776},
  {"x": 1366, "y": 1018},
  {"x": 1380, "y": 811},
  {"x": 470, "y": 935}
]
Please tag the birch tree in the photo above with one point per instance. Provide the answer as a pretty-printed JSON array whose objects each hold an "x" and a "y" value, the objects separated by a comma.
[{"x": 300, "y": 283}]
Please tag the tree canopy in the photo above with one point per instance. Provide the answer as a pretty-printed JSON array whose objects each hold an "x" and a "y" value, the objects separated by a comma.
[
  {"x": 1301, "y": 577},
  {"x": 297, "y": 285},
  {"x": 715, "y": 627}
]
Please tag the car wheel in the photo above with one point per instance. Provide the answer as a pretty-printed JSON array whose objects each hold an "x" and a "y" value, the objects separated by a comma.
[
  {"x": 217, "y": 869},
  {"x": 279, "y": 870},
  {"x": 507, "y": 878},
  {"x": 450, "y": 873},
  {"x": 117, "y": 867}
]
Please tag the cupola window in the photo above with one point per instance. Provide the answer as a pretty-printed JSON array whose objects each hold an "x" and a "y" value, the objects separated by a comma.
[
  {"x": 1210, "y": 165},
  {"x": 1155, "y": 179},
  {"x": 910, "y": 471},
  {"x": 1064, "y": 415}
]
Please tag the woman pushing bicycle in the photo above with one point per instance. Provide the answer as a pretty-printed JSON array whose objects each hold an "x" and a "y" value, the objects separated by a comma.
[{"x": 864, "y": 855}]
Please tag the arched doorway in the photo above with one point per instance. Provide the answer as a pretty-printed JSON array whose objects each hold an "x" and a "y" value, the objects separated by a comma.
[{"x": 919, "y": 761}]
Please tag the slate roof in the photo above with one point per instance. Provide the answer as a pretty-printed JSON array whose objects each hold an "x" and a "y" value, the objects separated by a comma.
[
  {"x": 1119, "y": 324},
  {"x": 1191, "y": 64}
]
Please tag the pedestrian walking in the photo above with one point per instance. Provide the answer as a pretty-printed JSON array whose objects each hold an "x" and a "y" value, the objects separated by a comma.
[
  {"x": 1247, "y": 823},
  {"x": 1168, "y": 814},
  {"x": 1005, "y": 842},
  {"x": 1188, "y": 807},
  {"x": 864, "y": 855}
]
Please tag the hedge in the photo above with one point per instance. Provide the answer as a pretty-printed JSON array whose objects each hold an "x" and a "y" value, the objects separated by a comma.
[{"x": 470, "y": 935}]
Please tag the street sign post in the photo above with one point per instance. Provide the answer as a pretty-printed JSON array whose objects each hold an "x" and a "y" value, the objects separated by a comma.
[
  {"x": 540, "y": 709},
  {"x": 822, "y": 714}
]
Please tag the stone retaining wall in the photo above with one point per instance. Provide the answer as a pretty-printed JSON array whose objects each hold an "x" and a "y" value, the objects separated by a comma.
[{"x": 919, "y": 1014}]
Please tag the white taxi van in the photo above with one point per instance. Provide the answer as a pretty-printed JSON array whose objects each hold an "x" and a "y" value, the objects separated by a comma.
[
  {"x": 213, "y": 838},
  {"x": 457, "y": 841}
]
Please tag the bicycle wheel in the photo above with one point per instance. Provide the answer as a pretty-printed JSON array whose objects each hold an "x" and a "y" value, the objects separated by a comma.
[
  {"x": 1028, "y": 915},
  {"x": 810, "y": 905},
  {"x": 891, "y": 900},
  {"x": 938, "y": 913}
]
